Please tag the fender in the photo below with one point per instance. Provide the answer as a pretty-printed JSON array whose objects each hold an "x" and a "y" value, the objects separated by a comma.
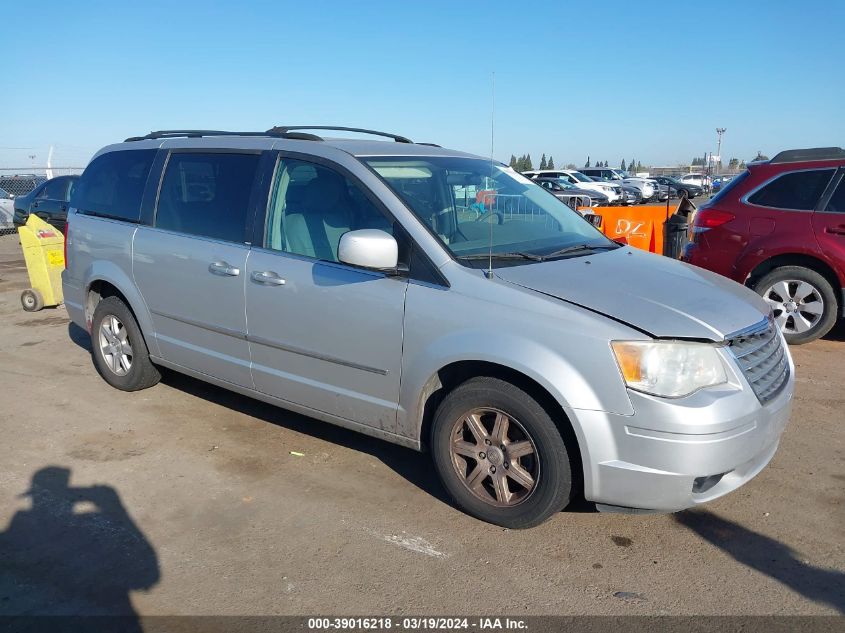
[
  {"x": 105, "y": 270},
  {"x": 759, "y": 251},
  {"x": 556, "y": 374}
]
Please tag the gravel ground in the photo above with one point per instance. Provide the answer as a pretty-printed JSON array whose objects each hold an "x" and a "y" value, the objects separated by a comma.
[{"x": 187, "y": 499}]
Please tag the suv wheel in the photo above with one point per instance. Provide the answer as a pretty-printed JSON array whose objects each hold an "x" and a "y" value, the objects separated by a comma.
[
  {"x": 683, "y": 193},
  {"x": 803, "y": 302},
  {"x": 120, "y": 353},
  {"x": 500, "y": 455}
]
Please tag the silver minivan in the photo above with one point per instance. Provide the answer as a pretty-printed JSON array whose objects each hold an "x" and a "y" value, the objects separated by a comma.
[{"x": 430, "y": 298}]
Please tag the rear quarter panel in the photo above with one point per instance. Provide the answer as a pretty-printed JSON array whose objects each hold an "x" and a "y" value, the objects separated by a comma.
[{"x": 100, "y": 249}]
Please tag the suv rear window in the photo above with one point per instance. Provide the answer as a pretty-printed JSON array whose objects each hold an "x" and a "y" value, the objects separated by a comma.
[
  {"x": 799, "y": 190},
  {"x": 723, "y": 191},
  {"x": 112, "y": 185},
  {"x": 207, "y": 194}
]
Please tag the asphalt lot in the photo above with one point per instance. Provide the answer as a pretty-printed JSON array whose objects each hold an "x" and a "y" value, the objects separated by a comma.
[{"x": 187, "y": 499}]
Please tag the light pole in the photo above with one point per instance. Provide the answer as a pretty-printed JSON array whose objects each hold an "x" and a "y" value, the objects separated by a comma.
[{"x": 719, "y": 132}]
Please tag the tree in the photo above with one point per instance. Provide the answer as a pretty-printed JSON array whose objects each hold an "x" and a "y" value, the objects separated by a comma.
[
  {"x": 512, "y": 162},
  {"x": 632, "y": 166},
  {"x": 623, "y": 167},
  {"x": 639, "y": 166},
  {"x": 543, "y": 162},
  {"x": 587, "y": 164},
  {"x": 733, "y": 163},
  {"x": 571, "y": 166},
  {"x": 551, "y": 163},
  {"x": 528, "y": 164},
  {"x": 760, "y": 156}
]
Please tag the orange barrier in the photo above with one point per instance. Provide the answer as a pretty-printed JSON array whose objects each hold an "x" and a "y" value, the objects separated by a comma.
[{"x": 641, "y": 226}]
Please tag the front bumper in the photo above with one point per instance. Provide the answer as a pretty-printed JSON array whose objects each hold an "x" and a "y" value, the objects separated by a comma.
[{"x": 661, "y": 457}]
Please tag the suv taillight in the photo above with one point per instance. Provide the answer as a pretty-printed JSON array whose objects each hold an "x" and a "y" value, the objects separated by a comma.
[{"x": 706, "y": 219}]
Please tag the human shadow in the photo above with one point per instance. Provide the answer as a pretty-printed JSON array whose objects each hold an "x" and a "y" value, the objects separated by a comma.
[
  {"x": 75, "y": 552},
  {"x": 768, "y": 556}
]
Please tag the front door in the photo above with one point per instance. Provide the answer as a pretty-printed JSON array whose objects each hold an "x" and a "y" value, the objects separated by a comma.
[
  {"x": 51, "y": 202},
  {"x": 829, "y": 224},
  {"x": 323, "y": 334},
  {"x": 191, "y": 265}
]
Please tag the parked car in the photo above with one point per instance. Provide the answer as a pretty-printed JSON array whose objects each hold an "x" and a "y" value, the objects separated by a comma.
[
  {"x": 538, "y": 359},
  {"x": 644, "y": 186},
  {"x": 611, "y": 190},
  {"x": 720, "y": 181},
  {"x": 6, "y": 210},
  {"x": 566, "y": 192},
  {"x": 49, "y": 201},
  {"x": 779, "y": 228},
  {"x": 631, "y": 195},
  {"x": 679, "y": 188},
  {"x": 699, "y": 180}
]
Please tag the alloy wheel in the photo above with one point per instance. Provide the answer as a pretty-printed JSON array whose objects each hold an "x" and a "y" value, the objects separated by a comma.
[
  {"x": 494, "y": 457},
  {"x": 797, "y": 305},
  {"x": 115, "y": 345}
]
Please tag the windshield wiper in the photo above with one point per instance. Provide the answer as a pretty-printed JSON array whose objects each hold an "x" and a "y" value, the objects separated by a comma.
[
  {"x": 575, "y": 249},
  {"x": 517, "y": 255}
]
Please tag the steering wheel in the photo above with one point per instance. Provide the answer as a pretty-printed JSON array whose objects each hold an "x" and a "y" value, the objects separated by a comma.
[{"x": 499, "y": 215}]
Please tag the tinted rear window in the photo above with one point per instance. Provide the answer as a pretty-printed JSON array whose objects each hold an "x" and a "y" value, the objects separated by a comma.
[
  {"x": 113, "y": 184},
  {"x": 798, "y": 190},
  {"x": 207, "y": 194},
  {"x": 726, "y": 188}
]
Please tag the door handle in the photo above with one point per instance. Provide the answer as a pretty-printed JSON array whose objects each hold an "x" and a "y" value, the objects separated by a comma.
[
  {"x": 836, "y": 230},
  {"x": 223, "y": 268},
  {"x": 268, "y": 278}
]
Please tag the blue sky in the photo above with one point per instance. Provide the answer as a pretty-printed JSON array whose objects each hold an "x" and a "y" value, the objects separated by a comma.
[{"x": 613, "y": 80}]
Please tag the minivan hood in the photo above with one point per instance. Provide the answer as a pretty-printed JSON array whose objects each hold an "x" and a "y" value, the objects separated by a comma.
[{"x": 660, "y": 296}]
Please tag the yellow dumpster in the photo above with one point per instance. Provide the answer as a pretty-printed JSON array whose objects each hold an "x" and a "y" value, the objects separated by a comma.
[{"x": 44, "y": 253}]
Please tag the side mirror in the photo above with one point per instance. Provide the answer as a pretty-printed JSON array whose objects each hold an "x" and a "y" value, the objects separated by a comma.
[{"x": 369, "y": 248}]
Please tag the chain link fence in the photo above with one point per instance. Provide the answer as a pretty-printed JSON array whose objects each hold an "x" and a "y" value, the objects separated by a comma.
[{"x": 19, "y": 181}]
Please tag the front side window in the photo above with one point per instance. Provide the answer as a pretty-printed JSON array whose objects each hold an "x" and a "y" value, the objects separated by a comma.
[
  {"x": 799, "y": 190},
  {"x": 577, "y": 176},
  {"x": 55, "y": 189},
  {"x": 113, "y": 184},
  {"x": 474, "y": 207},
  {"x": 312, "y": 206},
  {"x": 207, "y": 194}
]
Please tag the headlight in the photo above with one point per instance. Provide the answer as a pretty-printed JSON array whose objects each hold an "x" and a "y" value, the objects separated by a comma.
[{"x": 669, "y": 368}]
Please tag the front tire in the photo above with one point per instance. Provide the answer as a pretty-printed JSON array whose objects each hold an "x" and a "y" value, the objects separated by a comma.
[
  {"x": 500, "y": 455},
  {"x": 803, "y": 301},
  {"x": 118, "y": 347}
]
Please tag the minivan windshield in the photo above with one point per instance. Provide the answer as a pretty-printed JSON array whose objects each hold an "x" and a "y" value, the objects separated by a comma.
[{"x": 476, "y": 207}]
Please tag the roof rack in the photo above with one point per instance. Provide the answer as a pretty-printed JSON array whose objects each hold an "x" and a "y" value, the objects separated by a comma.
[
  {"x": 814, "y": 153},
  {"x": 286, "y": 131},
  {"x": 280, "y": 131},
  {"x": 192, "y": 134}
]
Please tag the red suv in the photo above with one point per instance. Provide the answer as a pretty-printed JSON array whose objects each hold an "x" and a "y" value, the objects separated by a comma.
[{"x": 779, "y": 228}]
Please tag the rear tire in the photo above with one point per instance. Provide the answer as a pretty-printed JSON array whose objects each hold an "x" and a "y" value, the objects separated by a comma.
[
  {"x": 683, "y": 193},
  {"x": 118, "y": 347},
  {"x": 500, "y": 455},
  {"x": 803, "y": 301}
]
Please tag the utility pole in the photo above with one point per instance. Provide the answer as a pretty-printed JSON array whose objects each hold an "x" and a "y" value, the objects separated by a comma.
[{"x": 719, "y": 132}]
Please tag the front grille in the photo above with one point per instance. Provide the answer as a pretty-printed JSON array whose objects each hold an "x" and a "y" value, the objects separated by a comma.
[{"x": 761, "y": 355}]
